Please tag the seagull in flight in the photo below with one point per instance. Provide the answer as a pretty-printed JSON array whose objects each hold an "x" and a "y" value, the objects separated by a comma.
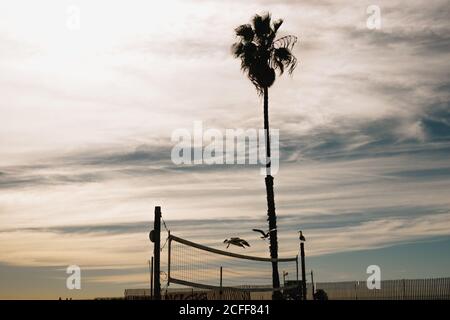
[
  {"x": 301, "y": 237},
  {"x": 265, "y": 235},
  {"x": 236, "y": 241}
]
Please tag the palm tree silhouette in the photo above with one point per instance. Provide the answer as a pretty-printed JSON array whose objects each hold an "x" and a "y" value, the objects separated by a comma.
[{"x": 261, "y": 56}]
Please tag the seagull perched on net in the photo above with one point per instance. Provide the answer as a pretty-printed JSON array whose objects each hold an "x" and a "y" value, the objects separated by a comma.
[
  {"x": 301, "y": 237},
  {"x": 236, "y": 241},
  {"x": 265, "y": 235}
]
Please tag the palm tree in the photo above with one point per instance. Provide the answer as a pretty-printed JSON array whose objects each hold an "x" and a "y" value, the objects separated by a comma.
[{"x": 261, "y": 56}]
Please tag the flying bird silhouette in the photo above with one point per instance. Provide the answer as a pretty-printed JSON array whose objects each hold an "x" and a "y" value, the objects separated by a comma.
[
  {"x": 301, "y": 237},
  {"x": 236, "y": 241},
  {"x": 265, "y": 235}
]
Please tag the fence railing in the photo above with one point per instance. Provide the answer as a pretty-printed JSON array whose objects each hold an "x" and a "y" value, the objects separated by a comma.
[{"x": 402, "y": 289}]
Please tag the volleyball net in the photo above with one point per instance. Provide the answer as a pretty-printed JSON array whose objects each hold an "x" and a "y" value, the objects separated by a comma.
[{"x": 198, "y": 266}]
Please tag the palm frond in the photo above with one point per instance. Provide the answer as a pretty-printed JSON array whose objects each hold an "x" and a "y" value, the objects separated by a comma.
[
  {"x": 285, "y": 42},
  {"x": 245, "y": 31},
  {"x": 277, "y": 64},
  {"x": 277, "y": 24},
  {"x": 283, "y": 57},
  {"x": 262, "y": 25},
  {"x": 237, "y": 49}
]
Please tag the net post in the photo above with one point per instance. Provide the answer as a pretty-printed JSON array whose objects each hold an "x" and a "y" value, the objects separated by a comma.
[
  {"x": 151, "y": 278},
  {"x": 156, "y": 253},
  {"x": 168, "y": 258},
  {"x": 302, "y": 255},
  {"x": 221, "y": 273},
  {"x": 296, "y": 270}
]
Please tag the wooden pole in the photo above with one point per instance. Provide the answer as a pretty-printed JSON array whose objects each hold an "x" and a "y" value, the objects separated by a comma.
[
  {"x": 151, "y": 279},
  {"x": 302, "y": 255},
  {"x": 296, "y": 278},
  {"x": 221, "y": 270},
  {"x": 169, "y": 258},
  {"x": 313, "y": 285},
  {"x": 157, "y": 251}
]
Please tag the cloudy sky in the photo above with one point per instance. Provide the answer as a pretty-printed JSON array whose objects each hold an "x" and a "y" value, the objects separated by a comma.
[{"x": 87, "y": 115}]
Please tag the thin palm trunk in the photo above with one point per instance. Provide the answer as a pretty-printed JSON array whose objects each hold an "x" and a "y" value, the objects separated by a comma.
[
  {"x": 271, "y": 216},
  {"x": 262, "y": 55}
]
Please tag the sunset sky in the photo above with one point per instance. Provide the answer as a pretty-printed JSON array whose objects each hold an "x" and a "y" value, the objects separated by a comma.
[{"x": 86, "y": 117}]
